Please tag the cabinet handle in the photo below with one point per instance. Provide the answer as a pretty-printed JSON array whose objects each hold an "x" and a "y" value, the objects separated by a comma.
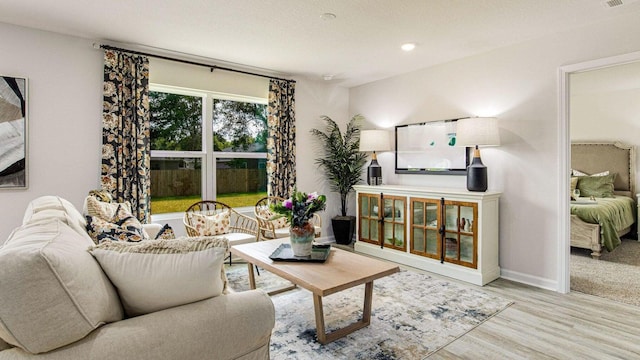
[
  {"x": 381, "y": 220},
  {"x": 443, "y": 215}
]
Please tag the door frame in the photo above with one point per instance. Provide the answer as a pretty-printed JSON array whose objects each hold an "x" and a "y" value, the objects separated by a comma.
[{"x": 564, "y": 152}]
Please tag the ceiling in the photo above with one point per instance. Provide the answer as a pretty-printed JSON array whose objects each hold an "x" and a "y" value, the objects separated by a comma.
[{"x": 362, "y": 44}]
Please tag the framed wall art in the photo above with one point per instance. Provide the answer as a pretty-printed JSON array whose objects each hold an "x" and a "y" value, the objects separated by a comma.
[
  {"x": 13, "y": 132},
  {"x": 430, "y": 148}
]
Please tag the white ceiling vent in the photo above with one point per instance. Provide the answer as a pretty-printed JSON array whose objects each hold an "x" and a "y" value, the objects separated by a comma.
[{"x": 616, "y": 3}]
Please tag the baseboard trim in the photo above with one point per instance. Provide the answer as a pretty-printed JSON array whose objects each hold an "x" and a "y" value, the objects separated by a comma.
[
  {"x": 536, "y": 281},
  {"x": 325, "y": 240}
]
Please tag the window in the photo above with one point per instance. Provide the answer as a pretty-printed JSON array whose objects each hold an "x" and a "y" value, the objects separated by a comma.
[{"x": 223, "y": 158}]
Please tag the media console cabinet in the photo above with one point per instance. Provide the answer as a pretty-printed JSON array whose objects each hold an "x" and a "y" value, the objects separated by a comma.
[{"x": 451, "y": 232}]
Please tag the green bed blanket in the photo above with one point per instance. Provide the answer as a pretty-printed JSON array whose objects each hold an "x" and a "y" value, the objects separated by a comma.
[{"x": 612, "y": 214}]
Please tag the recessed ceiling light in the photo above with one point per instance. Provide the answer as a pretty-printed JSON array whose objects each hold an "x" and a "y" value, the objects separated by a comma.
[
  {"x": 327, "y": 77},
  {"x": 328, "y": 16},
  {"x": 408, "y": 46}
]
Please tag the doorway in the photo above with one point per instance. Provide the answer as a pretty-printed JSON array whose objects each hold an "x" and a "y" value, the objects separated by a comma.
[{"x": 565, "y": 154}]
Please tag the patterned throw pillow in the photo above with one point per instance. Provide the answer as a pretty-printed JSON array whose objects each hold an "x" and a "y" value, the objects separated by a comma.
[
  {"x": 101, "y": 230},
  {"x": 209, "y": 225},
  {"x": 278, "y": 223},
  {"x": 166, "y": 233},
  {"x": 105, "y": 210},
  {"x": 574, "y": 185},
  {"x": 101, "y": 195},
  {"x": 122, "y": 227}
]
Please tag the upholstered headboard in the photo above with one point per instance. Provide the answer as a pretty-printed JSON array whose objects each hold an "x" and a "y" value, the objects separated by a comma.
[{"x": 616, "y": 157}]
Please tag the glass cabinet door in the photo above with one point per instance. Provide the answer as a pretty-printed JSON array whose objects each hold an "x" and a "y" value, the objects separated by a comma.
[
  {"x": 368, "y": 224},
  {"x": 381, "y": 220},
  {"x": 393, "y": 221},
  {"x": 460, "y": 233},
  {"x": 425, "y": 240}
]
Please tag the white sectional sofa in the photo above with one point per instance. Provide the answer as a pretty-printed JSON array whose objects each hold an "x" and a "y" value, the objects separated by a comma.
[{"x": 57, "y": 303}]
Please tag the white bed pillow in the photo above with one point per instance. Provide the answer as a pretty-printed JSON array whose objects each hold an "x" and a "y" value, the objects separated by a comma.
[
  {"x": 153, "y": 275},
  {"x": 575, "y": 172}
]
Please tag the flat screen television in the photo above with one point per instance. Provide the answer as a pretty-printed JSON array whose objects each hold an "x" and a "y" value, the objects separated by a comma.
[{"x": 430, "y": 148}]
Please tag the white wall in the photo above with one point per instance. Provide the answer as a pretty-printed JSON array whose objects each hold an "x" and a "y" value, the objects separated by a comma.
[
  {"x": 65, "y": 114},
  {"x": 605, "y": 106},
  {"x": 519, "y": 85},
  {"x": 314, "y": 99}
]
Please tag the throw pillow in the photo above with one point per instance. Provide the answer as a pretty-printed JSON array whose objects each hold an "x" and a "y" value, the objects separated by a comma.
[
  {"x": 105, "y": 210},
  {"x": 596, "y": 186},
  {"x": 101, "y": 195},
  {"x": 158, "y": 274},
  {"x": 122, "y": 227},
  {"x": 575, "y": 172},
  {"x": 278, "y": 223},
  {"x": 124, "y": 218},
  {"x": 210, "y": 225},
  {"x": 574, "y": 184},
  {"x": 166, "y": 233}
]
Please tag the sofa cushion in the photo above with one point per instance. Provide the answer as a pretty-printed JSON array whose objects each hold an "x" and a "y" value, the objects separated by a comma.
[
  {"x": 71, "y": 217},
  {"x": 158, "y": 274},
  {"x": 52, "y": 291},
  {"x": 237, "y": 238},
  {"x": 4, "y": 345}
]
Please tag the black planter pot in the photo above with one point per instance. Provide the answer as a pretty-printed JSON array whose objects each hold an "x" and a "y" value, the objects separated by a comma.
[{"x": 343, "y": 229}]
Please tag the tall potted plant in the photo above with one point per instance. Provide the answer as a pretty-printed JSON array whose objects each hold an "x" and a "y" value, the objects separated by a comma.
[{"x": 342, "y": 163}]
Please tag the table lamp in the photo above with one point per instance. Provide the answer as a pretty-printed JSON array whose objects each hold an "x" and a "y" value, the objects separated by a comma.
[
  {"x": 374, "y": 140},
  {"x": 478, "y": 131}
]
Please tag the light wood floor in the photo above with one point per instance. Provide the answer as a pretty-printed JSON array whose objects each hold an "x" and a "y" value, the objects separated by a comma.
[{"x": 543, "y": 324}]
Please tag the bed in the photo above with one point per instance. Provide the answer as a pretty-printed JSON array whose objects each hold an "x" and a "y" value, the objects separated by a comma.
[{"x": 598, "y": 223}]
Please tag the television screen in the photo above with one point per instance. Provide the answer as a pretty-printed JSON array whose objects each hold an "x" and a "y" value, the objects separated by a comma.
[{"x": 430, "y": 148}]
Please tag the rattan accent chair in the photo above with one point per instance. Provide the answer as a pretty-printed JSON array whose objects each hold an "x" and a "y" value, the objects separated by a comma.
[
  {"x": 242, "y": 229},
  {"x": 267, "y": 229}
]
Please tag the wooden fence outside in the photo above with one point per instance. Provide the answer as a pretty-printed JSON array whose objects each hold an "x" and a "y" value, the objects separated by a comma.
[{"x": 187, "y": 182}]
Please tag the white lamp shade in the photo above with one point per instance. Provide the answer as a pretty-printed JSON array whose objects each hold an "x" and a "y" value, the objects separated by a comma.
[
  {"x": 374, "y": 140},
  {"x": 477, "y": 131}
]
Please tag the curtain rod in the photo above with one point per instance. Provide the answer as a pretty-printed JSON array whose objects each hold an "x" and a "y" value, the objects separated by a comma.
[{"x": 212, "y": 67}]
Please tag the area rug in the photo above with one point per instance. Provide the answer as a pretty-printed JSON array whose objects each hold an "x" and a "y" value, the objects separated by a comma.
[
  {"x": 413, "y": 315},
  {"x": 615, "y": 276}
]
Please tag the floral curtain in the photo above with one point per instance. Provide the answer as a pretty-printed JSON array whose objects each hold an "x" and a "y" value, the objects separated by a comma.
[
  {"x": 281, "y": 142},
  {"x": 125, "y": 130}
]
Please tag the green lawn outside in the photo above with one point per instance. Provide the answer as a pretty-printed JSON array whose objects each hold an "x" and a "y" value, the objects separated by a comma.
[{"x": 181, "y": 203}]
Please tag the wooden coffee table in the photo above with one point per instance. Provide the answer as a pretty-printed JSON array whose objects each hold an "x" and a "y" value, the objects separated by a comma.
[{"x": 342, "y": 270}]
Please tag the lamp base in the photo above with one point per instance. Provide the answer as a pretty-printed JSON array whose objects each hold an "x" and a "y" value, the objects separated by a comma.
[
  {"x": 477, "y": 174},
  {"x": 374, "y": 173}
]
